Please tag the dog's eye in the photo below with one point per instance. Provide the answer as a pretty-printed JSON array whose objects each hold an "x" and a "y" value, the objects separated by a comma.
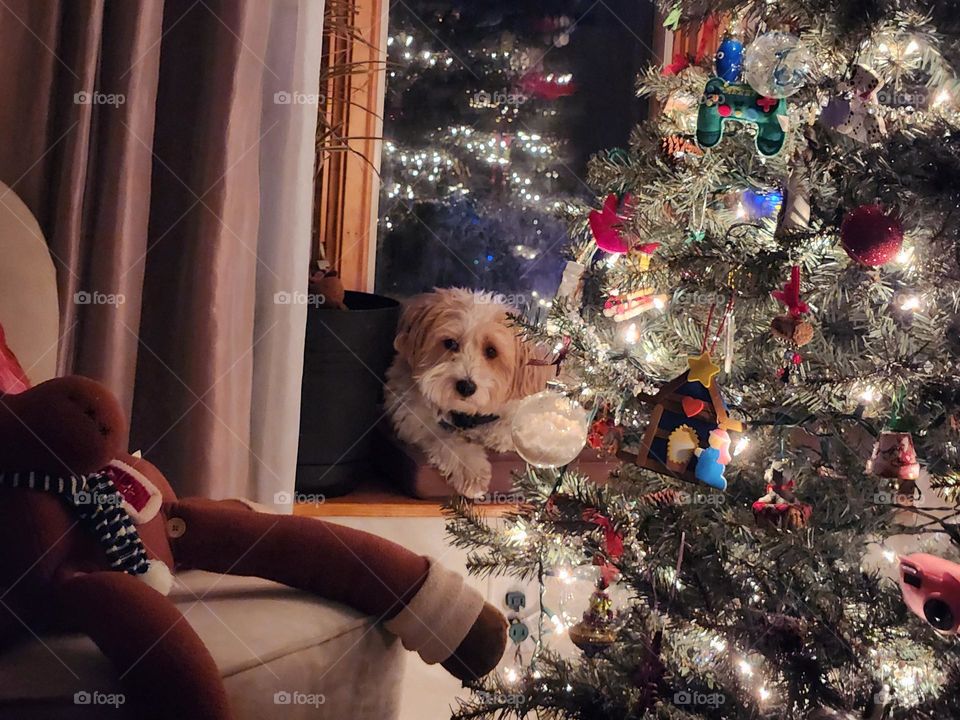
[
  {"x": 451, "y": 344},
  {"x": 490, "y": 351}
]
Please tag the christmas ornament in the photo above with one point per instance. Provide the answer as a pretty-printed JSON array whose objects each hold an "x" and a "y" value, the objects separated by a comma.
[
  {"x": 729, "y": 60},
  {"x": 779, "y": 507},
  {"x": 931, "y": 589},
  {"x": 760, "y": 204},
  {"x": 605, "y": 436},
  {"x": 571, "y": 286},
  {"x": 549, "y": 430},
  {"x": 795, "y": 210},
  {"x": 776, "y": 65},
  {"x": 871, "y": 236},
  {"x": 723, "y": 102},
  {"x": 691, "y": 401},
  {"x": 894, "y": 457},
  {"x": 854, "y": 112},
  {"x": 607, "y": 224},
  {"x": 631, "y": 304},
  {"x": 597, "y": 630},
  {"x": 791, "y": 329},
  {"x": 676, "y": 147}
]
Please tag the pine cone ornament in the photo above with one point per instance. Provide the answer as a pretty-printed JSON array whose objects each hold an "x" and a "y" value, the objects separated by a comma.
[
  {"x": 794, "y": 331},
  {"x": 667, "y": 497},
  {"x": 676, "y": 147}
]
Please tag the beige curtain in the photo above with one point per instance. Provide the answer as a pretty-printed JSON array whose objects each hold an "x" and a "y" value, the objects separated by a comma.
[{"x": 135, "y": 131}]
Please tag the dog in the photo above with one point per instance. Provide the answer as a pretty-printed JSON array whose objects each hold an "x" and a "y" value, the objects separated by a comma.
[{"x": 458, "y": 375}]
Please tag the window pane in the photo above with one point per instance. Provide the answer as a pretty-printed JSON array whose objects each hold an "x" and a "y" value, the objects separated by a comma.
[{"x": 491, "y": 112}]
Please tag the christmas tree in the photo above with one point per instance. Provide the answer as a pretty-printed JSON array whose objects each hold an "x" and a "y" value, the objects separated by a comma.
[
  {"x": 760, "y": 321},
  {"x": 473, "y": 167}
]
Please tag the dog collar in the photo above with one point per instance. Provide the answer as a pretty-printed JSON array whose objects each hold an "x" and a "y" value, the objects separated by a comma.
[{"x": 462, "y": 421}]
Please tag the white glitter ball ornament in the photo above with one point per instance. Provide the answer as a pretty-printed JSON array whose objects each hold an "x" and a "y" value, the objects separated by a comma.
[{"x": 549, "y": 429}]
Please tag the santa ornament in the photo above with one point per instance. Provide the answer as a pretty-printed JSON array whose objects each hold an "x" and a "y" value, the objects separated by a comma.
[{"x": 779, "y": 507}]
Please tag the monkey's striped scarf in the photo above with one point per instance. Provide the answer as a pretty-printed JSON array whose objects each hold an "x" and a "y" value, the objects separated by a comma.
[{"x": 99, "y": 505}]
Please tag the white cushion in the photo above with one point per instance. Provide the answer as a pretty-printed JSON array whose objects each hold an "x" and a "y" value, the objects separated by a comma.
[
  {"x": 29, "y": 311},
  {"x": 265, "y": 638}
]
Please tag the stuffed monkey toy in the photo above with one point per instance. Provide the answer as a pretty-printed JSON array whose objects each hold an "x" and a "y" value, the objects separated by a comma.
[{"x": 90, "y": 535}]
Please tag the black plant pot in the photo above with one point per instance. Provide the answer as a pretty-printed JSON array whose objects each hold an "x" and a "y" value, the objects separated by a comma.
[{"x": 346, "y": 355}]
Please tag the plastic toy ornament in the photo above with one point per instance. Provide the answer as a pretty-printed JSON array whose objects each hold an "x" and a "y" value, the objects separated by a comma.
[
  {"x": 775, "y": 65},
  {"x": 549, "y": 429}
]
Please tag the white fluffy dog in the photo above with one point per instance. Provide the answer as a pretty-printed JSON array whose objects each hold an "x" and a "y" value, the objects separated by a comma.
[{"x": 452, "y": 388}]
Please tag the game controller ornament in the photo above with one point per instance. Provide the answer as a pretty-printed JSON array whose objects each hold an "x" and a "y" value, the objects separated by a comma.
[
  {"x": 931, "y": 589},
  {"x": 724, "y": 101}
]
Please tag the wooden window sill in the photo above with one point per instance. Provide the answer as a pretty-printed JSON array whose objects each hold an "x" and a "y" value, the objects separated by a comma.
[{"x": 375, "y": 499}]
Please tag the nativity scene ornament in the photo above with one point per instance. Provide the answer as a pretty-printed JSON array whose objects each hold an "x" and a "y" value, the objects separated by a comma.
[{"x": 689, "y": 432}]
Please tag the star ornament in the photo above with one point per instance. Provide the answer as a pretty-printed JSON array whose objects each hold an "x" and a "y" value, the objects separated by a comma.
[{"x": 702, "y": 369}]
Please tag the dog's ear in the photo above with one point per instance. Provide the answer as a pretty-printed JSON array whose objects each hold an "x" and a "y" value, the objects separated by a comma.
[
  {"x": 414, "y": 322},
  {"x": 529, "y": 379}
]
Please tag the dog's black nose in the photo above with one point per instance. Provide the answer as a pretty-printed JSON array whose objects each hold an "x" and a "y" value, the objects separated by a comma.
[{"x": 466, "y": 387}]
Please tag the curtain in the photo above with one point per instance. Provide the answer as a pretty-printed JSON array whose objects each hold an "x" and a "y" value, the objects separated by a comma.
[{"x": 175, "y": 194}]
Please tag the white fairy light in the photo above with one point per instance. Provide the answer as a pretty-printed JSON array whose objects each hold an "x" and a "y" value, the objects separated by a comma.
[
  {"x": 890, "y": 556},
  {"x": 632, "y": 334},
  {"x": 659, "y": 303},
  {"x": 741, "y": 445},
  {"x": 764, "y": 693},
  {"x": 910, "y": 303},
  {"x": 869, "y": 394},
  {"x": 565, "y": 576},
  {"x": 905, "y": 256},
  {"x": 511, "y": 675},
  {"x": 558, "y": 625},
  {"x": 745, "y": 668},
  {"x": 941, "y": 98}
]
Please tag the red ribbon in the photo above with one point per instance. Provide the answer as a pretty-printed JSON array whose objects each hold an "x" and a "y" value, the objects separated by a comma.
[{"x": 790, "y": 295}]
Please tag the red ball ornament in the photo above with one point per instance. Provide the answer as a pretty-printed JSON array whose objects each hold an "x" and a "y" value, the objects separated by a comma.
[{"x": 871, "y": 236}]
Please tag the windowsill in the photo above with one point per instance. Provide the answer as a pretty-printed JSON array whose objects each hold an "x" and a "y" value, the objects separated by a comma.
[{"x": 376, "y": 499}]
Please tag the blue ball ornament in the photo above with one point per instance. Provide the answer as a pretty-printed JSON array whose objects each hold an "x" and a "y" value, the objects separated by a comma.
[{"x": 729, "y": 60}]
